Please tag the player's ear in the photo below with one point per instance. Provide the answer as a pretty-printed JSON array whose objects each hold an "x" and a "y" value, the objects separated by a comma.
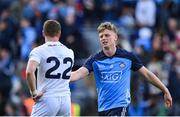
[
  {"x": 116, "y": 37},
  {"x": 59, "y": 34}
]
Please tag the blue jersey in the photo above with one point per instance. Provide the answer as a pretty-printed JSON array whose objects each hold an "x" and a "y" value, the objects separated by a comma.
[{"x": 112, "y": 76}]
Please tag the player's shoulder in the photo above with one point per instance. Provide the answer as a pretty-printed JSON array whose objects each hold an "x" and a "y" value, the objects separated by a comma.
[
  {"x": 121, "y": 51},
  {"x": 67, "y": 49},
  {"x": 38, "y": 48},
  {"x": 36, "y": 52},
  {"x": 35, "y": 49},
  {"x": 98, "y": 55},
  {"x": 126, "y": 54}
]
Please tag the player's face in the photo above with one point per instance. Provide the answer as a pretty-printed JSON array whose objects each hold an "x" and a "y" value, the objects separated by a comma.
[{"x": 107, "y": 38}]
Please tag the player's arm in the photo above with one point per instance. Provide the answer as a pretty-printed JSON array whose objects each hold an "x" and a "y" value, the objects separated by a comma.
[
  {"x": 153, "y": 79},
  {"x": 30, "y": 74},
  {"x": 30, "y": 77},
  {"x": 78, "y": 74}
]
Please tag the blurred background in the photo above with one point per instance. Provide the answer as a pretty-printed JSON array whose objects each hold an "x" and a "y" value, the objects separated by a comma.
[{"x": 150, "y": 28}]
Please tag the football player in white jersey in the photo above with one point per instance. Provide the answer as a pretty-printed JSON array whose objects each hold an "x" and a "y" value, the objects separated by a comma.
[{"x": 53, "y": 61}]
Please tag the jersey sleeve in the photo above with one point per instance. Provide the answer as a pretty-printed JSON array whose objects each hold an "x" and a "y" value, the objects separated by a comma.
[
  {"x": 88, "y": 64},
  {"x": 136, "y": 63},
  {"x": 34, "y": 55}
]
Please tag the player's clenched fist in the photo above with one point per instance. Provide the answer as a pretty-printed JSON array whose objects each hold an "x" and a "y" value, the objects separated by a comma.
[{"x": 36, "y": 95}]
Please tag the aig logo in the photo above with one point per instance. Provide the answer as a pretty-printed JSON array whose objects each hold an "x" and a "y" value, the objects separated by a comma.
[{"x": 111, "y": 77}]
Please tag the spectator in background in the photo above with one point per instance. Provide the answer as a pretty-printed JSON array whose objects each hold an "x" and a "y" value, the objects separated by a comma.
[
  {"x": 71, "y": 37},
  {"x": 155, "y": 96},
  {"x": 138, "y": 105},
  {"x": 9, "y": 85},
  {"x": 62, "y": 10},
  {"x": 126, "y": 20},
  {"x": 4, "y": 4},
  {"x": 145, "y": 13},
  {"x": 172, "y": 28},
  {"x": 144, "y": 39},
  {"x": 108, "y": 8},
  {"x": 29, "y": 8},
  {"x": 178, "y": 37},
  {"x": 174, "y": 84},
  {"x": 157, "y": 44},
  {"x": 89, "y": 11},
  {"x": 44, "y": 6},
  {"x": 8, "y": 30},
  {"x": 5, "y": 78},
  {"x": 27, "y": 39}
]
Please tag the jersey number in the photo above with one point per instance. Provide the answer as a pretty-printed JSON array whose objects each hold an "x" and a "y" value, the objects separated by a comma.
[{"x": 56, "y": 66}]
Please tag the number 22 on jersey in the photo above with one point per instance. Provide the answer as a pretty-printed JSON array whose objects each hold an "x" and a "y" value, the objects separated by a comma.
[{"x": 49, "y": 74}]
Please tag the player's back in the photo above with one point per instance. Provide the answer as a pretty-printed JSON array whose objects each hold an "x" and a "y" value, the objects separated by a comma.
[{"x": 55, "y": 63}]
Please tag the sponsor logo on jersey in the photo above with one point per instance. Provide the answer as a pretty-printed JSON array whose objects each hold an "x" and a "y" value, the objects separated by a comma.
[
  {"x": 51, "y": 45},
  {"x": 111, "y": 77}
]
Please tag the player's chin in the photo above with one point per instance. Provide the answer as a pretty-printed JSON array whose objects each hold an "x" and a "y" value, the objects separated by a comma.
[{"x": 104, "y": 45}]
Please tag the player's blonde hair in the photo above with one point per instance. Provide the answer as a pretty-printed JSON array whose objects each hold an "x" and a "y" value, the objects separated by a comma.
[{"x": 109, "y": 26}]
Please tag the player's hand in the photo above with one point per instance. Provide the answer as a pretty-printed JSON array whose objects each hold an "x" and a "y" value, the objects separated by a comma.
[
  {"x": 37, "y": 96},
  {"x": 167, "y": 99}
]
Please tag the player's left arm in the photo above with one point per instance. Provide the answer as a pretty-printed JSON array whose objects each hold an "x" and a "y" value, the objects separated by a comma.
[
  {"x": 30, "y": 77},
  {"x": 153, "y": 79}
]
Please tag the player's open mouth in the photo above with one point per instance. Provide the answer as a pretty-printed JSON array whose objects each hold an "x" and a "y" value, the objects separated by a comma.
[{"x": 104, "y": 43}]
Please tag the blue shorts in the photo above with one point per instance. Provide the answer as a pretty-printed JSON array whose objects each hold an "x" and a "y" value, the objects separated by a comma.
[{"x": 120, "y": 111}]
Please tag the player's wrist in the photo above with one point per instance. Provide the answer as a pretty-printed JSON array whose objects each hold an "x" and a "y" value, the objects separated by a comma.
[
  {"x": 33, "y": 93},
  {"x": 165, "y": 90}
]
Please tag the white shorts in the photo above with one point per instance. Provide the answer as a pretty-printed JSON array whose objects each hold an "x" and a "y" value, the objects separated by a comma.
[{"x": 52, "y": 106}]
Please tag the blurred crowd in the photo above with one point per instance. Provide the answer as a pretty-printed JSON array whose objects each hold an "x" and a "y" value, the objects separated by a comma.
[{"x": 149, "y": 28}]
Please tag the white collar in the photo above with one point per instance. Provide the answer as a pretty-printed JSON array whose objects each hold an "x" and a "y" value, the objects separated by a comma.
[{"x": 53, "y": 43}]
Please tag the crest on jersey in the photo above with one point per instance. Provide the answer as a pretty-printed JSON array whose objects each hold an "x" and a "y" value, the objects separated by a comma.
[
  {"x": 122, "y": 65},
  {"x": 111, "y": 66}
]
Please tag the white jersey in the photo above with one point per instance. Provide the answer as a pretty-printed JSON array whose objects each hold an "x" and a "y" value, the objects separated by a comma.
[{"x": 55, "y": 65}]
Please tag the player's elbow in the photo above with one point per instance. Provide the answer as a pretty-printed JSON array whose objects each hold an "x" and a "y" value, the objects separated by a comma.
[{"x": 29, "y": 73}]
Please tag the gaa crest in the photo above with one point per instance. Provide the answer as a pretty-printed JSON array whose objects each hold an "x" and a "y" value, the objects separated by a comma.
[{"x": 122, "y": 65}]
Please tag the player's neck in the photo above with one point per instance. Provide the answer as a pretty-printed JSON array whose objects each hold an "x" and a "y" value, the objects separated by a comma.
[
  {"x": 109, "y": 51},
  {"x": 51, "y": 39}
]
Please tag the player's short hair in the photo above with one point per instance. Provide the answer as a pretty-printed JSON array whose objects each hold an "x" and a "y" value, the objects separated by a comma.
[
  {"x": 51, "y": 28},
  {"x": 108, "y": 26}
]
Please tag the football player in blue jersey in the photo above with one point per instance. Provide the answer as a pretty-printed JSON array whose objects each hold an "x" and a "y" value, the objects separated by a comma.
[{"x": 112, "y": 70}]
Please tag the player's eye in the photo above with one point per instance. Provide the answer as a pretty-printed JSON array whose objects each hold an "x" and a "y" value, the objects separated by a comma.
[{"x": 106, "y": 35}]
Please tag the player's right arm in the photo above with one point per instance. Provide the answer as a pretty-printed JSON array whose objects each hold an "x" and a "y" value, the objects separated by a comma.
[
  {"x": 30, "y": 77},
  {"x": 30, "y": 74},
  {"x": 79, "y": 74}
]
